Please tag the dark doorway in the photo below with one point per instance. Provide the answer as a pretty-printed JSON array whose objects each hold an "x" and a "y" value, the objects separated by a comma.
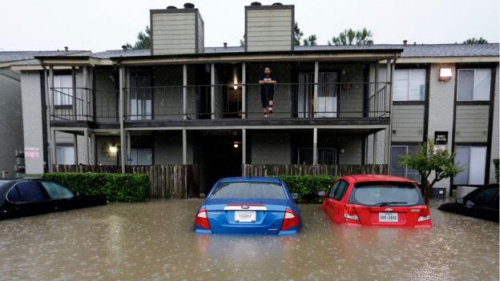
[{"x": 219, "y": 155}]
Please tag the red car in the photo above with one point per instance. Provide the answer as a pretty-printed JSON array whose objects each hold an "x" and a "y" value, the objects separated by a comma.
[{"x": 376, "y": 200}]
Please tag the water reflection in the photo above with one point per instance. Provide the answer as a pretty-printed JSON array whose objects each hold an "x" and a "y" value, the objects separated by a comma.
[{"x": 154, "y": 241}]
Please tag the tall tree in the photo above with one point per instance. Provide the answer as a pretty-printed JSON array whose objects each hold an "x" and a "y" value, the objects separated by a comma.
[
  {"x": 475, "y": 40},
  {"x": 428, "y": 161},
  {"x": 310, "y": 41},
  {"x": 143, "y": 40},
  {"x": 352, "y": 37},
  {"x": 297, "y": 33}
]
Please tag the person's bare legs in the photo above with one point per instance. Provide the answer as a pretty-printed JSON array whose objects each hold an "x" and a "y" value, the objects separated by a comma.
[
  {"x": 265, "y": 111},
  {"x": 271, "y": 106}
]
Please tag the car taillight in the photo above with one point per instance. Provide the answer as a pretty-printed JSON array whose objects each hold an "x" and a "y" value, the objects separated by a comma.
[
  {"x": 289, "y": 220},
  {"x": 201, "y": 219},
  {"x": 425, "y": 215},
  {"x": 350, "y": 213}
]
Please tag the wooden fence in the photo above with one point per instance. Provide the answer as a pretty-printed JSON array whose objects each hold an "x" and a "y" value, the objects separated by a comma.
[
  {"x": 165, "y": 181},
  {"x": 256, "y": 170}
]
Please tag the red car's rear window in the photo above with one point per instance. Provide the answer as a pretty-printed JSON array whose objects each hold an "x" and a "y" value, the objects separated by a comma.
[{"x": 385, "y": 194}]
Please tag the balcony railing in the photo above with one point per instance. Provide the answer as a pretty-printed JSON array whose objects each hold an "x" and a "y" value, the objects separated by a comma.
[{"x": 291, "y": 100}]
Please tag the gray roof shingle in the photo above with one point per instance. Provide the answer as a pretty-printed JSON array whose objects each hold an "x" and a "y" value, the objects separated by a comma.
[{"x": 13, "y": 56}]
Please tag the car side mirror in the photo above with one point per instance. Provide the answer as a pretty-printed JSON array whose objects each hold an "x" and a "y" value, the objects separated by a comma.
[
  {"x": 295, "y": 196},
  {"x": 459, "y": 201},
  {"x": 322, "y": 193}
]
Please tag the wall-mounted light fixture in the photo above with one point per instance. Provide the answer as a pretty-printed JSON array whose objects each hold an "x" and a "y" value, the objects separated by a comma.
[
  {"x": 236, "y": 144},
  {"x": 113, "y": 148},
  {"x": 444, "y": 74}
]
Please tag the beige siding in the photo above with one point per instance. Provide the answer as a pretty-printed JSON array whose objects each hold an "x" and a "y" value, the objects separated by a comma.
[
  {"x": 168, "y": 148},
  {"x": 269, "y": 29},
  {"x": 105, "y": 95},
  {"x": 174, "y": 33},
  {"x": 408, "y": 123},
  {"x": 472, "y": 123},
  {"x": 351, "y": 99}
]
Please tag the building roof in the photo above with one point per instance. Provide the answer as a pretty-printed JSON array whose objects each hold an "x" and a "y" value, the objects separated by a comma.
[
  {"x": 14, "y": 56},
  {"x": 409, "y": 51}
]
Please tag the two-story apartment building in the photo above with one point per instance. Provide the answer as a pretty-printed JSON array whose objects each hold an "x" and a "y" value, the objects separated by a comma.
[{"x": 183, "y": 103}]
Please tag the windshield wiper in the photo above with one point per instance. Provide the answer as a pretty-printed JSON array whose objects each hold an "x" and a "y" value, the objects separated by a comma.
[{"x": 383, "y": 204}]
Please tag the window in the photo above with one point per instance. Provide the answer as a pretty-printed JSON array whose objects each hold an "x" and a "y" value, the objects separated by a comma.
[
  {"x": 13, "y": 195},
  {"x": 141, "y": 156},
  {"x": 474, "y": 84},
  {"x": 483, "y": 196},
  {"x": 326, "y": 156},
  {"x": 56, "y": 191},
  {"x": 63, "y": 90},
  {"x": 472, "y": 159},
  {"x": 334, "y": 188},
  {"x": 409, "y": 85},
  {"x": 340, "y": 191},
  {"x": 397, "y": 194},
  {"x": 31, "y": 192},
  {"x": 65, "y": 155},
  {"x": 396, "y": 170},
  {"x": 327, "y": 95}
]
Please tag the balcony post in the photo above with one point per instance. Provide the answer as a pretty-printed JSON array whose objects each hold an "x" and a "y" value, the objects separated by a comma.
[
  {"x": 391, "y": 64},
  {"x": 73, "y": 84},
  {"x": 87, "y": 146},
  {"x": 75, "y": 148},
  {"x": 121, "y": 111},
  {"x": 212, "y": 91},
  {"x": 51, "y": 91},
  {"x": 315, "y": 146},
  {"x": 316, "y": 81},
  {"x": 184, "y": 91},
  {"x": 52, "y": 148},
  {"x": 243, "y": 91}
]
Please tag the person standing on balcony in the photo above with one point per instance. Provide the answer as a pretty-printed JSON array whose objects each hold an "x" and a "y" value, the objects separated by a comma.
[{"x": 267, "y": 91}]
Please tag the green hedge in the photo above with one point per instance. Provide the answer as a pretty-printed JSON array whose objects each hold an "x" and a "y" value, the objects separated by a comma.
[
  {"x": 116, "y": 187},
  {"x": 307, "y": 186}
]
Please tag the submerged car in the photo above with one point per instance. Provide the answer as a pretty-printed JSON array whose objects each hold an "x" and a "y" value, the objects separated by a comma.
[
  {"x": 481, "y": 203},
  {"x": 248, "y": 205},
  {"x": 26, "y": 197},
  {"x": 376, "y": 200}
]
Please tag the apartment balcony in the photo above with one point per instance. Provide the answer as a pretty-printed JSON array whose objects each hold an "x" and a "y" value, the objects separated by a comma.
[{"x": 295, "y": 104}]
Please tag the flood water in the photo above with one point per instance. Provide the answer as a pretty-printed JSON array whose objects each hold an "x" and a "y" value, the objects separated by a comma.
[{"x": 154, "y": 241}]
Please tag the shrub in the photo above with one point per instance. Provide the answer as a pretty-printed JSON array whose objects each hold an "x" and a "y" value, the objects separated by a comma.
[
  {"x": 116, "y": 187},
  {"x": 307, "y": 186}
]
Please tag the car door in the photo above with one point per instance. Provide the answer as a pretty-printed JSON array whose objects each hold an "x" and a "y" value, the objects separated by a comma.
[
  {"x": 337, "y": 201},
  {"x": 328, "y": 204},
  {"x": 60, "y": 197},
  {"x": 479, "y": 203},
  {"x": 28, "y": 198}
]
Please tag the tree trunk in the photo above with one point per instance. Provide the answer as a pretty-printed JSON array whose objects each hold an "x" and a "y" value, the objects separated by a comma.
[{"x": 426, "y": 191}]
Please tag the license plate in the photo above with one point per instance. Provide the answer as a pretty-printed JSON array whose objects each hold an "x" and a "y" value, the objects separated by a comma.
[
  {"x": 388, "y": 217},
  {"x": 245, "y": 216}
]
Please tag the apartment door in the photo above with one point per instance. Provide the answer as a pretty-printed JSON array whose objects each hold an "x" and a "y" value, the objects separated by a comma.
[
  {"x": 326, "y": 105},
  {"x": 141, "y": 98}
]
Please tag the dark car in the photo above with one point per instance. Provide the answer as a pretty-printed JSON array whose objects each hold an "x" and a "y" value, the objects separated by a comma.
[
  {"x": 26, "y": 197},
  {"x": 481, "y": 203}
]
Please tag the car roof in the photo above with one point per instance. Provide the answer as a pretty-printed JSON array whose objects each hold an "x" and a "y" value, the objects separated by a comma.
[
  {"x": 250, "y": 179},
  {"x": 377, "y": 178}
]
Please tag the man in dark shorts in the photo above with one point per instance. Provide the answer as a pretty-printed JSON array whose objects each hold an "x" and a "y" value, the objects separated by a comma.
[{"x": 267, "y": 91}]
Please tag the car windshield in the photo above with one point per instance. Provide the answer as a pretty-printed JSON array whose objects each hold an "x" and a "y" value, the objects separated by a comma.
[
  {"x": 385, "y": 194},
  {"x": 2, "y": 182},
  {"x": 248, "y": 190}
]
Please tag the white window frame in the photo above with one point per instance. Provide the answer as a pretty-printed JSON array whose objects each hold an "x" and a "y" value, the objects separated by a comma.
[
  {"x": 475, "y": 96},
  {"x": 404, "y": 92},
  {"x": 136, "y": 160},
  {"x": 476, "y": 175}
]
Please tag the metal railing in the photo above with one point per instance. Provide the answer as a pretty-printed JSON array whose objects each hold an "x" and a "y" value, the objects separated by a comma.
[{"x": 291, "y": 100}]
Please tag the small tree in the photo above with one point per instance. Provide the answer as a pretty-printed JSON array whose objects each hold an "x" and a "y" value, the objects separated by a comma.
[
  {"x": 428, "y": 160},
  {"x": 143, "y": 40},
  {"x": 297, "y": 34},
  {"x": 310, "y": 41},
  {"x": 475, "y": 40},
  {"x": 352, "y": 37}
]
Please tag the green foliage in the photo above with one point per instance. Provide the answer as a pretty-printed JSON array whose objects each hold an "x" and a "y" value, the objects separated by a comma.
[
  {"x": 116, "y": 187},
  {"x": 297, "y": 34},
  {"x": 143, "y": 40},
  {"x": 427, "y": 161},
  {"x": 307, "y": 186},
  {"x": 310, "y": 41},
  {"x": 475, "y": 40},
  {"x": 495, "y": 161},
  {"x": 352, "y": 37}
]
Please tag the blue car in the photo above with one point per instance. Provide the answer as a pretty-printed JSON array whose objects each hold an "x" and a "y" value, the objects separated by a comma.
[{"x": 248, "y": 205}]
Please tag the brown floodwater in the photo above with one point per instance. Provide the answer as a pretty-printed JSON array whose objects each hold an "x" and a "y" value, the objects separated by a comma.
[{"x": 154, "y": 241}]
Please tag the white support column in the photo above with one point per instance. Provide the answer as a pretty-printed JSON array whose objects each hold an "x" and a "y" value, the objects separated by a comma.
[
  {"x": 87, "y": 146},
  {"x": 212, "y": 91},
  {"x": 315, "y": 146},
  {"x": 243, "y": 146},
  {"x": 389, "y": 109},
  {"x": 75, "y": 148},
  {"x": 184, "y": 90},
  {"x": 316, "y": 80},
  {"x": 53, "y": 147},
  {"x": 184, "y": 147},
  {"x": 51, "y": 91},
  {"x": 243, "y": 90},
  {"x": 75, "y": 105},
  {"x": 121, "y": 111}
]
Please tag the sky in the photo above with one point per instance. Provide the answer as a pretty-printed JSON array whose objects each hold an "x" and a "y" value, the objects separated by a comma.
[{"x": 99, "y": 25}]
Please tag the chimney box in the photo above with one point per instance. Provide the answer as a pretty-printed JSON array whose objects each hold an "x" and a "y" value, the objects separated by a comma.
[{"x": 177, "y": 31}]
